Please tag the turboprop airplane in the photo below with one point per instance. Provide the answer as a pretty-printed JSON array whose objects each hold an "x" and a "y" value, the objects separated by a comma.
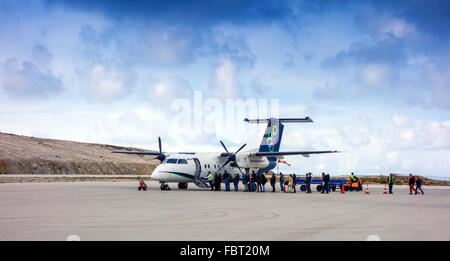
[{"x": 187, "y": 167}]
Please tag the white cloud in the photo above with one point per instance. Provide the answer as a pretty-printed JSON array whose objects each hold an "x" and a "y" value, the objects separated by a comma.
[
  {"x": 102, "y": 82},
  {"x": 164, "y": 91},
  {"x": 224, "y": 83},
  {"x": 27, "y": 80},
  {"x": 375, "y": 75},
  {"x": 400, "y": 120},
  {"x": 398, "y": 27},
  {"x": 418, "y": 134},
  {"x": 438, "y": 81},
  {"x": 383, "y": 25}
]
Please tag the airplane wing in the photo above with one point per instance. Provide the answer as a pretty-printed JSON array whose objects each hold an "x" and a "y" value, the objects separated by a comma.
[
  {"x": 155, "y": 153},
  {"x": 285, "y": 153}
]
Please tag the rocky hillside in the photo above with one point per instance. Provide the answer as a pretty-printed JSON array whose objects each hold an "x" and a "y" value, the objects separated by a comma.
[{"x": 28, "y": 155}]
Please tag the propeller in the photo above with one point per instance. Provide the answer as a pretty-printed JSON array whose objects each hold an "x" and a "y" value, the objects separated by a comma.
[
  {"x": 161, "y": 156},
  {"x": 231, "y": 157}
]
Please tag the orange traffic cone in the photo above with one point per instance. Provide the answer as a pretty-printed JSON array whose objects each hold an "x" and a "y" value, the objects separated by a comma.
[
  {"x": 385, "y": 189},
  {"x": 342, "y": 189},
  {"x": 367, "y": 189}
]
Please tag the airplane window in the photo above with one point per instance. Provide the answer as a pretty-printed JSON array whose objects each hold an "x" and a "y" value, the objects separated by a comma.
[
  {"x": 164, "y": 161},
  {"x": 182, "y": 161},
  {"x": 205, "y": 166},
  {"x": 171, "y": 161},
  {"x": 209, "y": 166}
]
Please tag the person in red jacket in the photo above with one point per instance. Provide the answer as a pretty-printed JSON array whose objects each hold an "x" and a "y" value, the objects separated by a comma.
[{"x": 412, "y": 182}]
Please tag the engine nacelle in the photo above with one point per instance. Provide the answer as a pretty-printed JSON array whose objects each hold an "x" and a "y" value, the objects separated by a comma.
[{"x": 252, "y": 162}]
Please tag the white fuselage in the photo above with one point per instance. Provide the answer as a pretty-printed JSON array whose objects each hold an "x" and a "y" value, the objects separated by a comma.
[{"x": 182, "y": 167}]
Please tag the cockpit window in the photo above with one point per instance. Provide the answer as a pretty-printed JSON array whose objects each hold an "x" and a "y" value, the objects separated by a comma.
[
  {"x": 182, "y": 161},
  {"x": 171, "y": 161}
]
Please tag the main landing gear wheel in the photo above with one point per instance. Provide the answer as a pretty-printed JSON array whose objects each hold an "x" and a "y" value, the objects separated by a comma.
[
  {"x": 303, "y": 188},
  {"x": 164, "y": 186},
  {"x": 319, "y": 188},
  {"x": 182, "y": 185}
]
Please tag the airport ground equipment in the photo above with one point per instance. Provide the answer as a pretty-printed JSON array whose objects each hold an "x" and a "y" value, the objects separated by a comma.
[
  {"x": 332, "y": 184},
  {"x": 353, "y": 185},
  {"x": 142, "y": 185}
]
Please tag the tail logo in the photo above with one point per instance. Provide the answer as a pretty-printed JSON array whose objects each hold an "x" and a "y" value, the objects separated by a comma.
[{"x": 271, "y": 138}]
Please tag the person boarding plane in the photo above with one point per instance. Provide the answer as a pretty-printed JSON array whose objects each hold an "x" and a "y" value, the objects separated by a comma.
[{"x": 193, "y": 167}]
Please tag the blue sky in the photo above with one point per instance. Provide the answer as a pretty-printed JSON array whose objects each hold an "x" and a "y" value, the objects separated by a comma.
[{"x": 373, "y": 75}]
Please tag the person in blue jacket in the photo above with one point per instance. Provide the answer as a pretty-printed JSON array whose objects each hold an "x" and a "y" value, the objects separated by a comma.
[
  {"x": 418, "y": 185},
  {"x": 244, "y": 181},
  {"x": 253, "y": 181},
  {"x": 281, "y": 182},
  {"x": 226, "y": 179},
  {"x": 264, "y": 180}
]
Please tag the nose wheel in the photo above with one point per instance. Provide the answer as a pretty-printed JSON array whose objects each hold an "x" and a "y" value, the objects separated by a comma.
[{"x": 164, "y": 186}]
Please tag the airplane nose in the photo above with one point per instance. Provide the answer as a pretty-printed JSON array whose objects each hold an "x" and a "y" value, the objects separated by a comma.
[{"x": 156, "y": 175}]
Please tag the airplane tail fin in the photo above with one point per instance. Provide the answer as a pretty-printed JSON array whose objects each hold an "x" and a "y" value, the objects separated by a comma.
[{"x": 274, "y": 132}]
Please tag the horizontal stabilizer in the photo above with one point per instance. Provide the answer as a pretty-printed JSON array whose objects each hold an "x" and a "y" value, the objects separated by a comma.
[{"x": 283, "y": 120}]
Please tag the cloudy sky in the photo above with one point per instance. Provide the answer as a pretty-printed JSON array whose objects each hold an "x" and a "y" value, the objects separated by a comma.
[{"x": 373, "y": 75}]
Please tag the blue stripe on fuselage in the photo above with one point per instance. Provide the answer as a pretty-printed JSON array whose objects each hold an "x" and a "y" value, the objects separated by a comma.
[{"x": 185, "y": 175}]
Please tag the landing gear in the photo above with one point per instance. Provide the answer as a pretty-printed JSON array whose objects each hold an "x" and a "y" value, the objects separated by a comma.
[
  {"x": 182, "y": 185},
  {"x": 164, "y": 186}
]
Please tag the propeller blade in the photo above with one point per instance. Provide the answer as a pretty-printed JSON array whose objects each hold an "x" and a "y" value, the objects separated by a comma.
[
  {"x": 239, "y": 168},
  {"x": 161, "y": 156},
  {"x": 223, "y": 145},
  {"x": 228, "y": 161},
  {"x": 240, "y": 148}
]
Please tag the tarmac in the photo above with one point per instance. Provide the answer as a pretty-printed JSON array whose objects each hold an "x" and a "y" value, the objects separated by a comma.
[{"x": 118, "y": 211}]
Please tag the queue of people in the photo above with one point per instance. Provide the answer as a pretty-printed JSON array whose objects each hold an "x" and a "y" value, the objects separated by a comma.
[{"x": 256, "y": 182}]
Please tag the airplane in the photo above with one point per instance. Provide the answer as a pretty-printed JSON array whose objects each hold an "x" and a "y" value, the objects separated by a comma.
[{"x": 193, "y": 167}]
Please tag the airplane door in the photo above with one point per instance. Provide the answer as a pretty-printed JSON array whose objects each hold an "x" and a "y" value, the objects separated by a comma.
[
  {"x": 198, "y": 168},
  {"x": 197, "y": 176}
]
